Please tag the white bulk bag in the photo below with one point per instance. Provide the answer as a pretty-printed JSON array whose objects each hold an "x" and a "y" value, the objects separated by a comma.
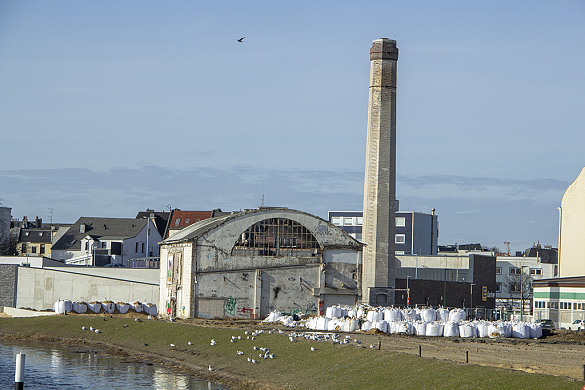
[
  {"x": 79, "y": 307},
  {"x": 404, "y": 327},
  {"x": 68, "y": 306},
  {"x": 59, "y": 307},
  {"x": 442, "y": 314},
  {"x": 420, "y": 328},
  {"x": 434, "y": 329},
  {"x": 467, "y": 329},
  {"x": 95, "y": 306},
  {"x": 457, "y": 315},
  {"x": 373, "y": 316},
  {"x": 322, "y": 323},
  {"x": 381, "y": 325},
  {"x": 410, "y": 315},
  {"x": 520, "y": 331},
  {"x": 122, "y": 307},
  {"x": 329, "y": 312},
  {"x": 367, "y": 326},
  {"x": 109, "y": 306},
  {"x": 429, "y": 315},
  {"x": 137, "y": 306},
  {"x": 451, "y": 329},
  {"x": 537, "y": 330},
  {"x": 150, "y": 308},
  {"x": 482, "y": 329}
]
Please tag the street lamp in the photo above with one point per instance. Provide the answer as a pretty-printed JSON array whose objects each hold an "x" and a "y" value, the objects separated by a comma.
[
  {"x": 407, "y": 292},
  {"x": 471, "y": 300},
  {"x": 522, "y": 291}
]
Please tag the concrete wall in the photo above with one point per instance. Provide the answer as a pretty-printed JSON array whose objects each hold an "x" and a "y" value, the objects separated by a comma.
[
  {"x": 572, "y": 229},
  {"x": 41, "y": 288}
]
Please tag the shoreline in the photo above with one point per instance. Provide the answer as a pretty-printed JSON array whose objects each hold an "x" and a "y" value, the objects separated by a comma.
[
  {"x": 554, "y": 363},
  {"x": 233, "y": 382}
]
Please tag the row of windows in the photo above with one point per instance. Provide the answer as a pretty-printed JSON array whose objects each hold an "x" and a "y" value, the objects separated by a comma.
[
  {"x": 32, "y": 249},
  {"x": 518, "y": 271},
  {"x": 359, "y": 221},
  {"x": 559, "y": 305}
]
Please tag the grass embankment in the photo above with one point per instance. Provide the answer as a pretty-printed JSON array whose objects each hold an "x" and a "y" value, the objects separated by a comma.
[{"x": 296, "y": 366}]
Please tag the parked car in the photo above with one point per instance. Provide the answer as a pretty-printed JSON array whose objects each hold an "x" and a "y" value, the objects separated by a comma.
[
  {"x": 577, "y": 325},
  {"x": 547, "y": 326}
]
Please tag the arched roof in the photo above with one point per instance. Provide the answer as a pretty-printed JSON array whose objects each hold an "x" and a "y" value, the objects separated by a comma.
[{"x": 327, "y": 234}]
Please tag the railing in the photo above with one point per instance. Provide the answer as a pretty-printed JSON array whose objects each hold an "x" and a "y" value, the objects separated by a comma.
[{"x": 144, "y": 262}]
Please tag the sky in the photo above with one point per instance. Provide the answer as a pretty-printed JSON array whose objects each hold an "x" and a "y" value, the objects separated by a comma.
[{"x": 112, "y": 107}]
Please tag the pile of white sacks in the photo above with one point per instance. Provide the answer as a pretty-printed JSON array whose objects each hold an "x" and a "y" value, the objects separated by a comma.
[
  {"x": 80, "y": 307},
  {"x": 419, "y": 322}
]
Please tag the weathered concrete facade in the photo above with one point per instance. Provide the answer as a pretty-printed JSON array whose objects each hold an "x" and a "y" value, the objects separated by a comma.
[
  {"x": 380, "y": 176},
  {"x": 572, "y": 229},
  {"x": 248, "y": 263}
]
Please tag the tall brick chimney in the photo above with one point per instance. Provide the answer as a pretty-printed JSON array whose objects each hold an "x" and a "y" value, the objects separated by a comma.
[{"x": 378, "y": 272}]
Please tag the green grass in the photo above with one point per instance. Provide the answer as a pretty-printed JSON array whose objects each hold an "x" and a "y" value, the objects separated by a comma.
[{"x": 296, "y": 366}]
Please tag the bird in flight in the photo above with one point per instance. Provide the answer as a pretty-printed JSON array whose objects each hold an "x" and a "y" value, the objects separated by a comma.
[{"x": 241, "y": 39}]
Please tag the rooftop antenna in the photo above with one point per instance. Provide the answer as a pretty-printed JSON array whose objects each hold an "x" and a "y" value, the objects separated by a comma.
[
  {"x": 507, "y": 243},
  {"x": 51, "y": 214},
  {"x": 262, "y": 195}
]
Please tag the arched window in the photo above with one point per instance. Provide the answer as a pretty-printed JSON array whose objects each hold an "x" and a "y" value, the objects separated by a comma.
[{"x": 277, "y": 237}]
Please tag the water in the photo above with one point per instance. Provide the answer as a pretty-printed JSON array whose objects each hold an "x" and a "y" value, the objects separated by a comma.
[{"x": 52, "y": 366}]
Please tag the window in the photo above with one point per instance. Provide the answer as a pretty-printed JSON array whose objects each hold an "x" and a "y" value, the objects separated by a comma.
[
  {"x": 40, "y": 234},
  {"x": 515, "y": 271},
  {"x": 26, "y": 233},
  {"x": 400, "y": 239},
  {"x": 360, "y": 221},
  {"x": 498, "y": 287},
  {"x": 23, "y": 248},
  {"x": 358, "y": 236},
  {"x": 104, "y": 245},
  {"x": 87, "y": 245},
  {"x": 42, "y": 248},
  {"x": 178, "y": 222},
  {"x": 398, "y": 252},
  {"x": 498, "y": 270},
  {"x": 187, "y": 220},
  {"x": 277, "y": 237},
  {"x": 535, "y": 271},
  {"x": 336, "y": 221},
  {"x": 348, "y": 221},
  {"x": 142, "y": 247},
  {"x": 136, "y": 249},
  {"x": 400, "y": 221},
  {"x": 514, "y": 287},
  {"x": 33, "y": 249}
]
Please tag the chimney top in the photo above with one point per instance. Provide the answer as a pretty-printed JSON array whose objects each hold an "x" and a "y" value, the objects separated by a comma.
[{"x": 384, "y": 49}]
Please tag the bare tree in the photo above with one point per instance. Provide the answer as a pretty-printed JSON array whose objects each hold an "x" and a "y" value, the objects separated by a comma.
[{"x": 519, "y": 283}]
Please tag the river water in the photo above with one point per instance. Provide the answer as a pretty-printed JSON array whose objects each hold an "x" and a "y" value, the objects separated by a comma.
[{"x": 52, "y": 366}]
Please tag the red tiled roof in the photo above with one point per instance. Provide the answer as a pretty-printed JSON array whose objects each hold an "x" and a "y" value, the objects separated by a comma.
[{"x": 181, "y": 219}]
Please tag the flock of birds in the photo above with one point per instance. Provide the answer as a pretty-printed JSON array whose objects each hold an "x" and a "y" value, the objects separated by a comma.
[{"x": 265, "y": 353}]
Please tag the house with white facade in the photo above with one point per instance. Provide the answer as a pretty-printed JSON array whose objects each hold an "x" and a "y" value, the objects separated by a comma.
[{"x": 100, "y": 241}]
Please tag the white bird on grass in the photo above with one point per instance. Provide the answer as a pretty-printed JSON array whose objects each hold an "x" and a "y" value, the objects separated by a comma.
[
  {"x": 172, "y": 345},
  {"x": 97, "y": 331},
  {"x": 372, "y": 346},
  {"x": 213, "y": 342},
  {"x": 210, "y": 369},
  {"x": 254, "y": 361},
  {"x": 313, "y": 349},
  {"x": 240, "y": 352},
  {"x": 83, "y": 328},
  {"x": 249, "y": 359},
  {"x": 189, "y": 343}
]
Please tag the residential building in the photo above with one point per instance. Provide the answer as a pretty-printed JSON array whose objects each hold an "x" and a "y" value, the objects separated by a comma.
[
  {"x": 5, "y": 216},
  {"x": 100, "y": 241},
  {"x": 416, "y": 233},
  {"x": 180, "y": 219}
]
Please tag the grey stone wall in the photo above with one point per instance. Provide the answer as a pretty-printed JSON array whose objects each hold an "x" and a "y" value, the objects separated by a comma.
[{"x": 8, "y": 284}]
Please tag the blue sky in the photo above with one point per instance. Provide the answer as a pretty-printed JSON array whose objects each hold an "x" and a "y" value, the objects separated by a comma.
[{"x": 110, "y": 107}]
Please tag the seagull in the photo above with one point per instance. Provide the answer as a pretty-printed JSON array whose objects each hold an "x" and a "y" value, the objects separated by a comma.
[
  {"x": 83, "y": 328},
  {"x": 137, "y": 320},
  {"x": 189, "y": 343},
  {"x": 97, "y": 331},
  {"x": 240, "y": 352},
  {"x": 241, "y": 39},
  {"x": 313, "y": 349},
  {"x": 91, "y": 328},
  {"x": 210, "y": 369},
  {"x": 146, "y": 345},
  {"x": 125, "y": 326},
  {"x": 372, "y": 346},
  {"x": 213, "y": 342},
  {"x": 234, "y": 340},
  {"x": 256, "y": 348},
  {"x": 249, "y": 359},
  {"x": 254, "y": 361},
  {"x": 172, "y": 345}
]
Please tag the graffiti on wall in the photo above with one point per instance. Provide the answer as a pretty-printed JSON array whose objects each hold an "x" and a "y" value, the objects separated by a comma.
[{"x": 238, "y": 307}]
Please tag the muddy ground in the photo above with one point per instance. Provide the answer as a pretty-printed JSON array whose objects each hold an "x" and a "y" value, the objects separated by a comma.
[{"x": 562, "y": 353}]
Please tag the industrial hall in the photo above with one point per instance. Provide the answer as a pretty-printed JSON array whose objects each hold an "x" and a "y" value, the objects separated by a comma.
[{"x": 248, "y": 263}]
